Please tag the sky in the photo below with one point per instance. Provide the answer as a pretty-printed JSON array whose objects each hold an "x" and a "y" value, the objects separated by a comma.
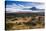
[
  {"x": 16, "y": 6},
  {"x": 28, "y": 0}
]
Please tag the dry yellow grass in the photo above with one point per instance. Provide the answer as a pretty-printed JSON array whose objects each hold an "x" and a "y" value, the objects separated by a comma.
[{"x": 12, "y": 25}]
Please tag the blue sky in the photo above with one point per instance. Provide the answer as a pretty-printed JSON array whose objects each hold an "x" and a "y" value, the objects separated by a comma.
[
  {"x": 15, "y": 6},
  {"x": 22, "y": 3}
]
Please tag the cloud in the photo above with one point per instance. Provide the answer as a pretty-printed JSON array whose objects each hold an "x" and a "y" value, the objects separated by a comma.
[
  {"x": 40, "y": 6},
  {"x": 17, "y": 8},
  {"x": 14, "y": 6}
]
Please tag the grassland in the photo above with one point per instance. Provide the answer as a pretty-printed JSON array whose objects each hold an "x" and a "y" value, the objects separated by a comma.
[{"x": 24, "y": 21}]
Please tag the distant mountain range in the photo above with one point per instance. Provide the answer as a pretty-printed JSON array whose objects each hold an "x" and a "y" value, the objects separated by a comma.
[{"x": 25, "y": 14}]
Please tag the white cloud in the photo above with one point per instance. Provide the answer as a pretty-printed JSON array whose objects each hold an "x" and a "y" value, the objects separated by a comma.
[
  {"x": 19, "y": 7},
  {"x": 15, "y": 8},
  {"x": 40, "y": 6}
]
